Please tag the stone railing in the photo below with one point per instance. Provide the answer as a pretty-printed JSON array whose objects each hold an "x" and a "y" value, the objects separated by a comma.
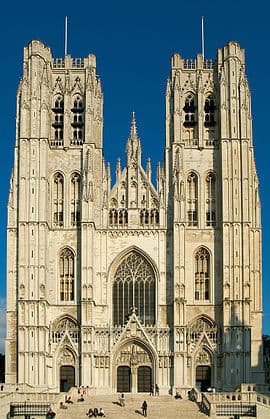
[{"x": 228, "y": 404}]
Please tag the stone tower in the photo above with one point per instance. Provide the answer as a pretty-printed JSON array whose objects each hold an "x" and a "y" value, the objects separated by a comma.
[{"x": 119, "y": 287}]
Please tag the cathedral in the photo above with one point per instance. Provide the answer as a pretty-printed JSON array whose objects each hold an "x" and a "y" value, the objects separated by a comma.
[{"x": 121, "y": 286}]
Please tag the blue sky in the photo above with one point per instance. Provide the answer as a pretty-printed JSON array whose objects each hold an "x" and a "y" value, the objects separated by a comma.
[{"x": 133, "y": 42}]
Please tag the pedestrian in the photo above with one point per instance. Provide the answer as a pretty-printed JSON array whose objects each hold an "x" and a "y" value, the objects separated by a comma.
[
  {"x": 122, "y": 400},
  {"x": 152, "y": 390},
  {"x": 157, "y": 390},
  {"x": 144, "y": 408}
]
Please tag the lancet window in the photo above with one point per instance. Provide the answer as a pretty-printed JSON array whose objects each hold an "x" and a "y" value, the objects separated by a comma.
[
  {"x": 189, "y": 110},
  {"x": 210, "y": 189},
  {"x": 134, "y": 289},
  {"x": 58, "y": 200},
  {"x": 209, "y": 112},
  {"x": 66, "y": 270},
  {"x": 77, "y": 120},
  {"x": 75, "y": 199},
  {"x": 192, "y": 199},
  {"x": 58, "y": 120},
  {"x": 202, "y": 274}
]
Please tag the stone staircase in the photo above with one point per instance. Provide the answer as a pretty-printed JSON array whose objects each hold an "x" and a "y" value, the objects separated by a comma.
[{"x": 161, "y": 407}]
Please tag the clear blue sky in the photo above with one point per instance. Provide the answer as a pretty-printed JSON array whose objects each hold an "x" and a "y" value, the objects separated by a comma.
[{"x": 133, "y": 42}]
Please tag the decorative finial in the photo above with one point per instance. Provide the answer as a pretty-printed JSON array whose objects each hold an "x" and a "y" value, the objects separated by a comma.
[{"x": 133, "y": 129}]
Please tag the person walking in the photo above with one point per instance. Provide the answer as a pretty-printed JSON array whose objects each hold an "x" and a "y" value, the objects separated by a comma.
[
  {"x": 152, "y": 390},
  {"x": 144, "y": 408},
  {"x": 157, "y": 390}
]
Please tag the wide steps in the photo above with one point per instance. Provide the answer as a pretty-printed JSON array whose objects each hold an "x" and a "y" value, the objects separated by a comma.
[{"x": 161, "y": 407}]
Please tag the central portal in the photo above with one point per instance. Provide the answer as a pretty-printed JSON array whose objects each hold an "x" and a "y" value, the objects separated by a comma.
[{"x": 134, "y": 369}]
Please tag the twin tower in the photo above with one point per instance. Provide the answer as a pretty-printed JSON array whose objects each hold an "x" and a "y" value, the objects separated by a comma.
[{"x": 120, "y": 287}]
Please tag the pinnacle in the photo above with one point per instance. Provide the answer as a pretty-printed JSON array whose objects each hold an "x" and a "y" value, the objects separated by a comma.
[{"x": 133, "y": 129}]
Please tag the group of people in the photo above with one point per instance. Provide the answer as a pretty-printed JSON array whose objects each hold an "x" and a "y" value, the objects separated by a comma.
[
  {"x": 154, "y": 390},
  {"x": 95, "y": 412}
]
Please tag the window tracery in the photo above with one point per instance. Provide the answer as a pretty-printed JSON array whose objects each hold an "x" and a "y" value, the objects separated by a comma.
[
  {"x": 202, "y": 326},
  {"x": 202, "y": 274},
  {"x": 209, "y": 112},
  {"x": 58, "y": 121},
  {"x": 75, "y": 199},
  {"x": 77, "y": 120},
  {"x": 66, "y": 270},
  {"x": 192, "y": 199},
  {"x": 65, "y": 326},
  {"x": 58, "y": 200},
  {"x": 210, "y": 203},
  {"x": 134, "y": 288},
  {"x": 189, "y": 110}
]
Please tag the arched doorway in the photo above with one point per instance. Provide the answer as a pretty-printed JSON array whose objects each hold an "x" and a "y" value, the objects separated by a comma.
[
  {"x": 144, "y": 379},
  {"x": 123, "y": 379},
  {"x": 134, "y": 368},
  {"x": 67, "y": 377},
  {"x": 203, "y": 377}
]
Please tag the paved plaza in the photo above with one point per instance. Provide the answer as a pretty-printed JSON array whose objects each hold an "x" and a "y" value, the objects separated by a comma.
[{"x": 158, "y": 407}]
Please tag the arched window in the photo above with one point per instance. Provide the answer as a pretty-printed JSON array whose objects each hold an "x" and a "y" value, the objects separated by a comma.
[
  {"x": 134, "y": 289},
  {"x": 192, "y": 199},
  {"x": 75, "y": 199},
  {"x": 66, "y": 269},
  {"x": 189, "y": 110},
  {"x": 210, "y": 204},
  {"x": 77, "y": 120},
  {"x": 58, "y": 200},
  {"x": 58, "y": 122},
  {"x": 209, "y": 112},
  {"x": 202, "y": 274}
]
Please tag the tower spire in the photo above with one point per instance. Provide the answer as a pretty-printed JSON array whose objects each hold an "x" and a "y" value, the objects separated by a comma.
[{"x": 133, "y": 129}]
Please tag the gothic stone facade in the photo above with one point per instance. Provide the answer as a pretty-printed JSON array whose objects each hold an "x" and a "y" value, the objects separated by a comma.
[{"x": 119, "y": 287}]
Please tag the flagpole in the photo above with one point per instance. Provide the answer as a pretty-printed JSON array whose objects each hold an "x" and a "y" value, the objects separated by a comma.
[
  {"x": 66, "y": 24},
  {"x": 203, "y": 38}
]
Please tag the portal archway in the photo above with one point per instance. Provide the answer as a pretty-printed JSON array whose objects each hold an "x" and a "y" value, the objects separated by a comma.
[
  {"x": 134, "y": 368},
  {"x": 203, "y": 373}
]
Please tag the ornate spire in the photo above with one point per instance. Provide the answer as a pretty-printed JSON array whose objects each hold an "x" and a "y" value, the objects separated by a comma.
[
  {"x": 133, "y": 129},
  {"x": 133, "y": 149}
]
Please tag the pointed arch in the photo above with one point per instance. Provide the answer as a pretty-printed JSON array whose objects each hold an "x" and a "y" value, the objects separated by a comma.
[
  {"x": 58, "y": 199},
  {"x": 58, "y": 119},
  {"x": 77, "y": 119},
  {"x": 202, "y": 274},
  {"x": 189, "y": 110},
  {"x": 134, "y": 286},
  {"x": 209, "y": 110},
  {"x": 67, "y": 274},
  {"x": 192, "y": 199},
  {"x": 75, "y": 182},
  {"x": 210, "y": 199}
]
